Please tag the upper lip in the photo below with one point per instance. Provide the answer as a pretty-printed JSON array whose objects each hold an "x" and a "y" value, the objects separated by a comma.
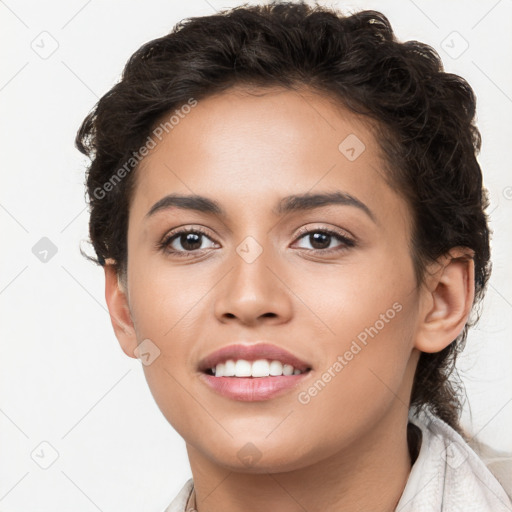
[{"x": 252, "y": 352}]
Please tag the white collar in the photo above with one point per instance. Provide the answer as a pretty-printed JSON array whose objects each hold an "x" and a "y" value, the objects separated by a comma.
[{"x": 448, "y": 476}]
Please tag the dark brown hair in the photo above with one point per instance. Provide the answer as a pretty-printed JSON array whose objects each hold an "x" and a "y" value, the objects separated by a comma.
[{"x": 423, "y": 115}]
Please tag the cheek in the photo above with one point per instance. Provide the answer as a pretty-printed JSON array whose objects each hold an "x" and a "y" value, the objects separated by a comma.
[
  {"x": 371, "y": 314},
  {"x": 168, "y": 307},
  {"x": 166, "y": 300},
  {"x": 366, "y": 373},
  {"x": 372, "y": 296}
]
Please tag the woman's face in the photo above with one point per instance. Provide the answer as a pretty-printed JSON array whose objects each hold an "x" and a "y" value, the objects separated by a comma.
[{"x": 331, "y": 283}]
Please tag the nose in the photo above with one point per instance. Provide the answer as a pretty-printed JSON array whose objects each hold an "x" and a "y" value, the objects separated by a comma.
[{"x": 253, "y": 292}]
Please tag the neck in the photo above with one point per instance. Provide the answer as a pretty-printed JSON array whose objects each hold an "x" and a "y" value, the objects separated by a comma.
[{"x": 370, "y": 474}]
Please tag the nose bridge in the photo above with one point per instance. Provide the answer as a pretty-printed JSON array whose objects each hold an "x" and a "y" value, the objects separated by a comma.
[
  {"x": 251, "y": 265},
  {"x": 251, "y": 288}
]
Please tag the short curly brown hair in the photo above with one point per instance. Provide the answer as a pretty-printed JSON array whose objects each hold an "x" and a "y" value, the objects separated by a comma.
[{"x": 424, "y": 118}]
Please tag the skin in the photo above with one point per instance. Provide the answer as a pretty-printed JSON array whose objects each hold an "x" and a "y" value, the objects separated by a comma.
[{"x": 346, "y": 449}]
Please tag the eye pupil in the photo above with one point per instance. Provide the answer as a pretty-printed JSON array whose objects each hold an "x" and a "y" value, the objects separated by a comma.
[
  {"x": 319, "y": 238},
  {"x": 192, "y": 239}
]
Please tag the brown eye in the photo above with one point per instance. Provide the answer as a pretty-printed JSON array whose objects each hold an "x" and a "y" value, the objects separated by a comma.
[
  {"x": 321, "y": 240},
  {"x": 190, "y": 241},
  {"x": 186, "y": 241}
]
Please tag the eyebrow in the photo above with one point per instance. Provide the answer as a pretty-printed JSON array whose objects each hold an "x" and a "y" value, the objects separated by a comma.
[{"x": 298, "y": 202}]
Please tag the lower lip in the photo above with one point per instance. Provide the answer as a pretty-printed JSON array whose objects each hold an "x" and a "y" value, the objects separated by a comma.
[{"x": 253, "y": 389}]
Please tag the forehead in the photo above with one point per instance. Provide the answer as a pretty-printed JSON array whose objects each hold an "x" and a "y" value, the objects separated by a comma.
[{"x": 247, "y": 146}]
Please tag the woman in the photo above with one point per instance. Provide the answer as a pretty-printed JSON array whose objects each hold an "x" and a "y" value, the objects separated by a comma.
[{"x": 289, "y": 211}]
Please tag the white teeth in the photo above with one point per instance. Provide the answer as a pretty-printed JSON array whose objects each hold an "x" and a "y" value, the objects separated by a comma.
[
  {"x": 276, "y": 368},
  {"x": 219, "y": 370},
  {"x": 287, "y": 369},
  {"x": 243, "y": 368},
  {"x": 258, "y": 368},
  {"x": 229, "y": 368}
]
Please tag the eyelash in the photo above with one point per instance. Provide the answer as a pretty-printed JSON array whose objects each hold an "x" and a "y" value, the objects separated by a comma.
[{"x": 346, "y": 242}]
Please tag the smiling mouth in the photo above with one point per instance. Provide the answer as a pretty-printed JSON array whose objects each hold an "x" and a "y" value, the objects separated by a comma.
[
  {"x": 253, "y": 372},
  {"x": 259, "y": 368}
]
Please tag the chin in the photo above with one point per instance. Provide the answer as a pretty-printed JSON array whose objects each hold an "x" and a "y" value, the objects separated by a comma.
[{"x": 253, "y": 458}]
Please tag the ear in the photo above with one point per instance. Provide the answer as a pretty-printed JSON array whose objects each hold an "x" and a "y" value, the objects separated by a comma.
[
  {"x": 447, "y": 298},
  {"x": 119, "y": 311}
]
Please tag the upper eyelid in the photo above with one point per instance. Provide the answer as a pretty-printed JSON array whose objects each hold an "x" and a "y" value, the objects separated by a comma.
[{"x": 336, "y": 231}]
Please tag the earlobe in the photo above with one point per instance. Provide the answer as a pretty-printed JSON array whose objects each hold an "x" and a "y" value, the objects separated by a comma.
[
  {"x": 119, "y": 311},
  {"x": 447, "y": 300}
]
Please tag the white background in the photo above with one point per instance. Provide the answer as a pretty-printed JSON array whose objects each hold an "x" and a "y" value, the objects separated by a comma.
[{"x": 63, "y": 378}]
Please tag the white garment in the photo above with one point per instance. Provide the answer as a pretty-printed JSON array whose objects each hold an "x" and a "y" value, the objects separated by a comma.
[
  {"x": 447, "y": 476},
  {"x": 179, "y": 503}
]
